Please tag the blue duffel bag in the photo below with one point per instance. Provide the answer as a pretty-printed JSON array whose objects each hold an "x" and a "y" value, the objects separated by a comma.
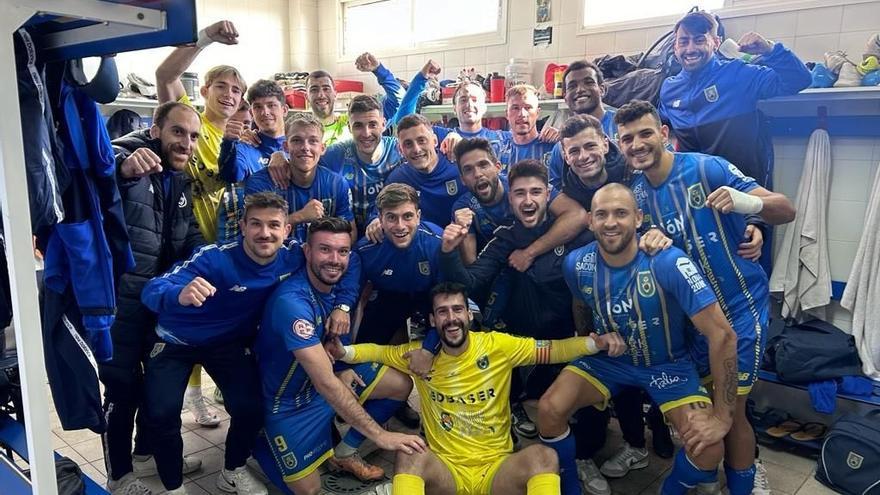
[{"x": 850, "y": 459}]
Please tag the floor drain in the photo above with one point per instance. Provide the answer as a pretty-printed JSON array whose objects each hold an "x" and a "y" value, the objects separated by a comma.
[{"x": 343, "y": 483}]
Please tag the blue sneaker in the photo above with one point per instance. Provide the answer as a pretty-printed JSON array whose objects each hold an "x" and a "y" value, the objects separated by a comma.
[{"x": 822, "y": 77}]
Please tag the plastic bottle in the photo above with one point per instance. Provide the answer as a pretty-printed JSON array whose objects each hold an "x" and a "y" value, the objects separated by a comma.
[{"x": 557, "y": 84}]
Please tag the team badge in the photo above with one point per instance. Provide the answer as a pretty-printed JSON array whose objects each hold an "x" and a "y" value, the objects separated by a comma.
[
  {"x": 446, "y": 421},
  {"x": 646, "y": 284},
  {"x": 711, "y": 94},
  {"x": 424, "y": 268},
  {"x": 559, "y": 250},
  {"x": 587, "y": 290},
  {"x": 157, "y": 349},
  {"x": 182, "y": 201},
  {"x": 303, "y": 329},
  {"x": 854, "y": 461},
  {"x": 289, "y": 460},
  {"x": 483, "y": 362},
  {"x": 696, "y": 196},
  {"x": 451, "y": 187}
]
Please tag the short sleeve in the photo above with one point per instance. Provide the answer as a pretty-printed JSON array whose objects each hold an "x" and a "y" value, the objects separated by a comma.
[
  {"x": 678, "y": 275},
  {"x": 296, "y": 323},
  {"x": 720, "y": 172}
]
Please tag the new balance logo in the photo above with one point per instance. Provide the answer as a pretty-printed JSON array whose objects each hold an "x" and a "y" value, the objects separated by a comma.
[
  {"x": 388, "y": 272},
  {"x": 238, "y": 288}
]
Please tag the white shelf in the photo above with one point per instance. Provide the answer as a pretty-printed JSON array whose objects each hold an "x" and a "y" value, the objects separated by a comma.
[
  {"x": 860, "y": 100},
  {"x": 141, "y": 106},
  {"x": 493, "y": 109}
]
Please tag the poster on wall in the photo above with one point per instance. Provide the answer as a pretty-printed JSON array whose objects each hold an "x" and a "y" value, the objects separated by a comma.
[
  {"x": 542, "y": 11},
  {"x": 542, "y": 37}
]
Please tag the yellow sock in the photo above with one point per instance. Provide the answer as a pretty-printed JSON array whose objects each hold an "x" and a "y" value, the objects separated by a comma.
[
  {"x": 195, "y": 378},
  {"x": 543, "y": 484},
  {"x": 410, "y": 484}
]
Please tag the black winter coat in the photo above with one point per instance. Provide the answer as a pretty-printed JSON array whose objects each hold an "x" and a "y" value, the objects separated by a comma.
[{"x": 161, "y": 232}]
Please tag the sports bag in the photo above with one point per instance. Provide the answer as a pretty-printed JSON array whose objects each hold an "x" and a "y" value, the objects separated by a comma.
[
  {"x": 813, "y": 351},
  {"x": 850, "y": 459}
]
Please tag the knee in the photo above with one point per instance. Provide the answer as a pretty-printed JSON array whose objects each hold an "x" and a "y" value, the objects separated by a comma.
[
  {"x": 410, "y": 463},
  {"x": 550, "y": 414},
  {"x": 709, "y": 457},
  {"x": 541, "y": 459}
]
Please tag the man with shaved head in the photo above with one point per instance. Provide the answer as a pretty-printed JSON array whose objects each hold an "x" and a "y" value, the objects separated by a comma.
[{"x": 648, "y": 300}]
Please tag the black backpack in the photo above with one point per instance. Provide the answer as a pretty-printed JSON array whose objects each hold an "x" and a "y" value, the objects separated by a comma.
[
  {"x": 850, "y": 459},
  {"x": 811, "y": 351}
]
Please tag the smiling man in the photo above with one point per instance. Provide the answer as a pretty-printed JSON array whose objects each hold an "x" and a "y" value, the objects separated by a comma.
[
  {"x": 208, "y": 308},
  {"x": 466, "y": 407},
  {"x": 367, "y": 159},
  {"x": 314, "y": 191},
  {"x": 401, "y": 268},
  {"x": 429, "y": 172},
  {"x": 239, "y": 159}
]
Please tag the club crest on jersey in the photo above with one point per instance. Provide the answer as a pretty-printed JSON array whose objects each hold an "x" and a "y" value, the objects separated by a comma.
[
  {"x": 696, "y": 196},
  {"x": 303, "y": 329},
  {"x": 289, "y": 460},
  {"x": 446, "y": 421},
  {"x": 646, "y": 284},
  {"x": 182, "y": 201},
  {"x": 425, "y": 268},
  {"x": 483, "y": 362},
  {"x": 451, "y": 187},
  {"x": 559, "y": 250},
  {"x": 711, "y": 94},
  {"x": 854, "y": 461},
  {"x": 157, "y": 348}
]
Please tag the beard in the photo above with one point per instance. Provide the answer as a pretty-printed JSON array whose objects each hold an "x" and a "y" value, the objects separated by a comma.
[{"x": 464, "y": 332}]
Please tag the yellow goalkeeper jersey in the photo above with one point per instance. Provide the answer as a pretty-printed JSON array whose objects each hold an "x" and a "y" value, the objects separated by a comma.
[{"x": 465, "y": 400}]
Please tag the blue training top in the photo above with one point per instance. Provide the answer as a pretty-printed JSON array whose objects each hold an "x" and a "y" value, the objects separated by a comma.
[
  {"x": 438, "y": 190},
  {"x": 414, "y": 269}
]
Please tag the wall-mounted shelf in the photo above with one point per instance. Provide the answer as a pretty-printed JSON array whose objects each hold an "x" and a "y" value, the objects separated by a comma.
[
  {"x": 142, "y": 106},
  {"x": 493, "y": 109}
]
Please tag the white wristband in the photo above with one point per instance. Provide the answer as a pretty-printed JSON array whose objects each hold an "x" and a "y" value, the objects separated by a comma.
[
  {"x": 349, "y": 354},
  {"x": 592, "y": 348},
  {"x": 203, "y": 40},
  {"x": 744, "y": 203}
]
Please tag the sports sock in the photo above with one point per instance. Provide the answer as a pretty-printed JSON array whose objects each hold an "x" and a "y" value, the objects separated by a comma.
[
  {"x": 195, "y": 378},
  {"x": 381, "y": 411},
  {"x": 543, "y": 484},
  {"x": 407, "y": 484},
  {"x": 564, "y": 445},
  {"x": 740, "y": 481},
  {"x": 685, "y": 475}
]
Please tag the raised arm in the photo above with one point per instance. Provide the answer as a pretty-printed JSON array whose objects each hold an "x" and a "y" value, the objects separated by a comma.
[
  {"x": 571, "y": 220},
  {"x": 168, "y": 85}
]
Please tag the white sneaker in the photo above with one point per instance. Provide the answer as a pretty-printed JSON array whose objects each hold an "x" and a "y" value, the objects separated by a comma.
[
  {"x": 591, "y": 479},
  {"x": 198, "y": 406},
  {"x": 762, "y": 483},
  {"x": 834, "y": 61},
  {"x": 145, "y": 465},
  {"x": 181, "y": 490},
  {"x": 623, "y": 460},
  {"x": 849, "y": 76},
  {"x": 128, "y": 485},
  {"x": 241, "y": 482}
]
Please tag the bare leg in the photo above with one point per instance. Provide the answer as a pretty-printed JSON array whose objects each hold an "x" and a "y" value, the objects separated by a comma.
[{"x": 516, "y": 471}]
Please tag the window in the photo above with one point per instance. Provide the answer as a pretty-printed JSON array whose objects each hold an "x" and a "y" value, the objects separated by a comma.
[
  {"x": 407, "y": 26},
  {"x": 603, "y": 12}
]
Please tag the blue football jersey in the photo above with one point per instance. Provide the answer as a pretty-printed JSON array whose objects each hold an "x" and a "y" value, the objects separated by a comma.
[
  {"x": 648, "y": 301},
  {"x": 414, "y": 269},
  {"x": 510, "y": 152},
  {"x": 437, "y": 190},
  {"x": 710, "y": 238},
  {"x": 328, "y": 187},
  {"x": 364, "y": 179}
]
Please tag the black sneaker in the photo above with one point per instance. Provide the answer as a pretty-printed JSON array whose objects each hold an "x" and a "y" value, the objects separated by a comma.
[{"x": 521, "y": 422}]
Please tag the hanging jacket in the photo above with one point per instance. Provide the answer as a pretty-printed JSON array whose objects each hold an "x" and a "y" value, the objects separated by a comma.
[
  {"x": 161, "y": 225},
  {"x": 89, "y": 250}
]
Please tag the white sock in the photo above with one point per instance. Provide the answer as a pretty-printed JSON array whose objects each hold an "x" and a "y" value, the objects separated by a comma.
[
  {"x": 193, "y": 392},
  {"x": 344, "y": 450}
]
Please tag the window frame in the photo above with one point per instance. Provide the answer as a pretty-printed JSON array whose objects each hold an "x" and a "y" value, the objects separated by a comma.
[
  {"x": 732, "y": 9},
  {"x": 498, "y": 37}
]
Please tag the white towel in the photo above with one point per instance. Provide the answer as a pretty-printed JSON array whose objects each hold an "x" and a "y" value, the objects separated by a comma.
[
  {"x": 862, "y": 293},
  {"x": 801, "y": 270}
]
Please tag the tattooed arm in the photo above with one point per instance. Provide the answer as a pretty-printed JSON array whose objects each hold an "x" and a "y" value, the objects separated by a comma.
[{"x": 711, "y": 322}]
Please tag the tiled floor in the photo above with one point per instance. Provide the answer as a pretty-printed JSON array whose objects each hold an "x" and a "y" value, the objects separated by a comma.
[{"x": 788, "y": 473}]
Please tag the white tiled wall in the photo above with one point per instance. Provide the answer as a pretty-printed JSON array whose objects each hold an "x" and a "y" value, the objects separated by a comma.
[
  {"x": 265, "y": 44},
  {"x": 854, "y": 164},
  {"x": 809, "y": 32}
]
